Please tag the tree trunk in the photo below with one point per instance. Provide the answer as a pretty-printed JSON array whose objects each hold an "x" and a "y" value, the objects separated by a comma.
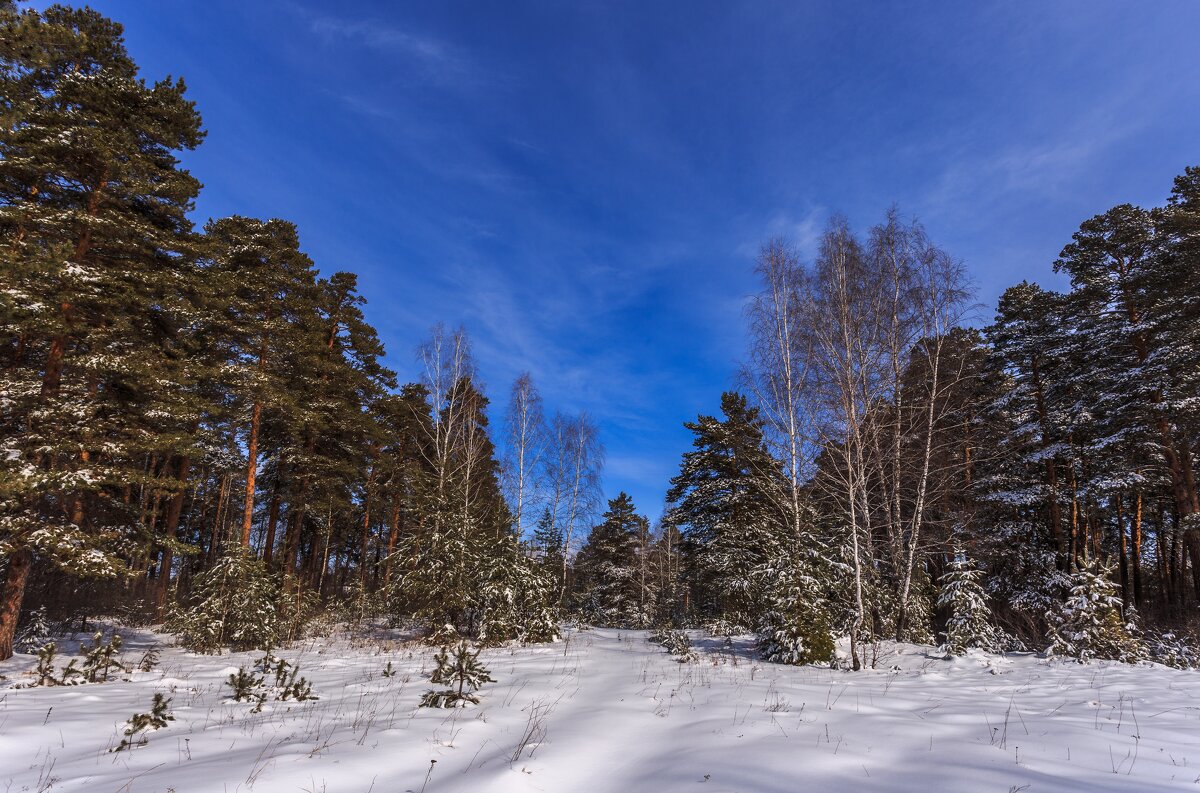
[
  {"x": 19, "y": 564},
  {"x": 1065, "y": 549},
  {"x": 1122, "y": 553},
  {"x": 1135, "y": 531},
  {"x": 174, "y": 511},
  {"x": 366, "y": 527},
  {"x": 272, "y": 523},
  {"x": 251, "y": 472},
  {"x": 218, "y": 520},
  {"x": 393, "y": 535}
]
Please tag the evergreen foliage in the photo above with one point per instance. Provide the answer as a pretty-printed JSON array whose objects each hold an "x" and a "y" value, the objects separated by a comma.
[
  {"x": 460, "y": 668},
  {"x": 1088, "y": 625},
  {"x": 721, "y": 501},
  {"x": 141, "y": 723},
  {"x": 101, "y": 658},
  {"x": 198, "y": 424},
  {"x": 675, "y": 642},
  {"x": 970, "y": 622},
  {"x": 607, "y": 569},
  {"x": 246, "y": 685},
  {"x": 34, "y": 633},
  {"x": 234, "y": 604},
  {"x": 795, "y": 625},
  {"x": 517, "y": 601}
]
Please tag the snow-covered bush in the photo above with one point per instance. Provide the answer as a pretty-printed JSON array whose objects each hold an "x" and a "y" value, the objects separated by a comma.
[
  {"x": 235, "y": 604},
  {"x": 1170, "y": 649},
  {"x": 1088, "y": 624},
  {"x": 251, "y": 685},
  {"x": 674, "y": 642},
  {"x": 970, "y": 619},
  {"x": 45, "y": 666},
  {"x": 245, "y": 684},
  {"x": 724, "y": 628},
  {"x": 357, "y": 603}
]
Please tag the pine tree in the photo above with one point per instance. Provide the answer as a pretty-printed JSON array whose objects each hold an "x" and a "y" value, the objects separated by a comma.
[
  {"x": 461, "y": 668},
  {"x": 970, "y": 619},
  {"x": 1022, "y": 485},
  {"x": 271, "y": 288},
  {"x": 94, "y": 241},
  {"x": 443, "y": 566},
  {"x": 141, "y": 723},
  {"x": 233, "y": 604},
  {"x": 407, "y": 476}
]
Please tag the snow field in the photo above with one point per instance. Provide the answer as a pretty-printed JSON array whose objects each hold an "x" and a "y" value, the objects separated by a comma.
[{"x": 604, "y": 710}]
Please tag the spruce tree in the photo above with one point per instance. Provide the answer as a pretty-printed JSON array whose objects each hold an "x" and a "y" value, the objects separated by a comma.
[
  {"x": 724, "y": 501},
  {"x": 1088, "y": 624},
  {"x": 969, "y": 624},
  {"x": 606, "y": 568},
  {"x": 518, "y": 599},
  {"x": 548, "y": 543},
  {"x": 794, "y": 620}
]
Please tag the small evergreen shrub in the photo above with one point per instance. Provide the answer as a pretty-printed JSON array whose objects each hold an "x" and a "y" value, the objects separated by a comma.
[
  {"x": 141, "y": 723},
  {"x": 245, "y": 685},
  {"x": 101, "y": 658},
  {"x": 287, "y": 685},
  {"x": 461, "y": 669},
  {"x": 675, "y": 642},
  {"x": 1169, "y": 649},
  {"x": 723, "y": 628},
  {"x": 45, "y": 666},
  {"x": 149, "y": 660},
  {"x": 34, "y": 632}
]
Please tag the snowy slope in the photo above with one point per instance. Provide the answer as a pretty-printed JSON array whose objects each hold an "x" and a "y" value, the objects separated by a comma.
[{"x": 607, "y": 711}]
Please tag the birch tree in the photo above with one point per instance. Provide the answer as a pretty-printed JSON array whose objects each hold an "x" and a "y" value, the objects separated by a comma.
[{"x": 525, "y": 435}]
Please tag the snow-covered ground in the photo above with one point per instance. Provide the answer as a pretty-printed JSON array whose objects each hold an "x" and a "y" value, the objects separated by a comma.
[{"x": 605, "y": 710}]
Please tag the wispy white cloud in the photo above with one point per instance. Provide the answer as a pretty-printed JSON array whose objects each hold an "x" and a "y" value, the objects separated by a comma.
[
  {"x": 801, "y": 229},
  {"x": 440, "y": 60}
]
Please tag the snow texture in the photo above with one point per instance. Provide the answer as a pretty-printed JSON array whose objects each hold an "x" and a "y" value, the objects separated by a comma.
[{"x": 606, "y": 710}]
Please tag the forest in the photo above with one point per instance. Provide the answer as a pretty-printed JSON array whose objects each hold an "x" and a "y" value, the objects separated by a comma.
[{"x": 199, "y": 428}]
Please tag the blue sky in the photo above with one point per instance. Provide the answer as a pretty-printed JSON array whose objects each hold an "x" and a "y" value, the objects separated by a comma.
[{"x": 584, "y": 185}]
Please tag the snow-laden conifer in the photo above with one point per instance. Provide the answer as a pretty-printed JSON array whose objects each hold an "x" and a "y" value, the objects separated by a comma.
[
  {"x": 233, "y": 604},
  {"x": 1088, "y": 624},
  {"x": 970, "y": 622}
]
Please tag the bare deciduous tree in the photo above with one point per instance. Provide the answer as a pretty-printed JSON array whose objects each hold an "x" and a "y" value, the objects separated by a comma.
[{"x": 525, "y": 427}]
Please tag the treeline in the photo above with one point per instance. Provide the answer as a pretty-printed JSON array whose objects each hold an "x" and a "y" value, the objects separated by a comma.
[
  {"x": 192, "y": 418},
  {"x": 889, "y": 466},
  {"x": 196, "y": 426}
]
